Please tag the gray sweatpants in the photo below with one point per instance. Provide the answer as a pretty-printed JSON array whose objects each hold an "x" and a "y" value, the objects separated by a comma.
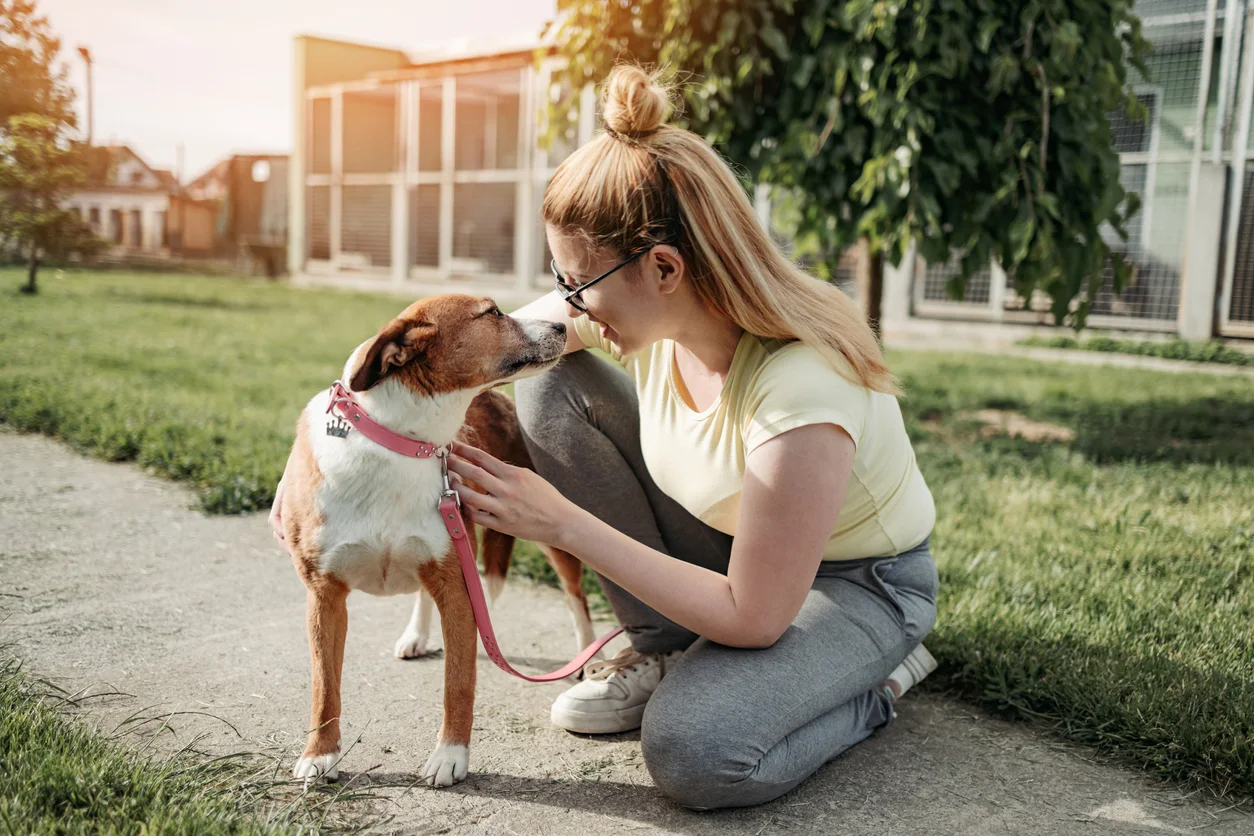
[{"x": 727, "y": 727}]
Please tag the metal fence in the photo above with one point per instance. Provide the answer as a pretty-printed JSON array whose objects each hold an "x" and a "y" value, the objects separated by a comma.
[{"x": 1197, "y": 52}]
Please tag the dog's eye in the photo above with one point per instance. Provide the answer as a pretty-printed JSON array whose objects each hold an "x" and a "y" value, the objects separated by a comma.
[{"x": 496, "y": 312}]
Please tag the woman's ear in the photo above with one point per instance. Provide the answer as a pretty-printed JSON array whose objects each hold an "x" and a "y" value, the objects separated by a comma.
[{"x": 670, "y": 266}]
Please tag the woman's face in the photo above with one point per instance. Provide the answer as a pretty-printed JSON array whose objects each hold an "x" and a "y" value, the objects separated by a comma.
[{"x": 627, "y": 305}]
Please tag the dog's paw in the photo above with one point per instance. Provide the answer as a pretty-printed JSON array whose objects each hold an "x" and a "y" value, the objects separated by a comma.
[
  {"x": 411, "y": 645},
  {"x": 312, "y": 768},
  {"x": 447, "y": 765}
]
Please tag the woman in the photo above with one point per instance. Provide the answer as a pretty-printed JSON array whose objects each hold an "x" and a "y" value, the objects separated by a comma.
[{"x": 745, "y": 491}]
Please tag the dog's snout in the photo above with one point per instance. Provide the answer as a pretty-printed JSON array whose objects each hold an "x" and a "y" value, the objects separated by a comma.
[{"x": 558, "y": 327}]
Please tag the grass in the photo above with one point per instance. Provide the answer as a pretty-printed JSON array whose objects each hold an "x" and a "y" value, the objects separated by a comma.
[
  {"x": 1211, "y": 351},
  {"x": 1104, "y": 586},
  {"x": 61, "y": 777},
  {"x": 1101, "y": 586}
]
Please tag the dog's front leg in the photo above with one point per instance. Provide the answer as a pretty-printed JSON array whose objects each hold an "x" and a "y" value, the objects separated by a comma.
[
  {"x": 326, "y": 615},
  {"x": 450, "y": 761}
]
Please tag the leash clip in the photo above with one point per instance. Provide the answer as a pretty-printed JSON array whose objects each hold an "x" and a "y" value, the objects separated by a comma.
[{"x": 448, "y": 492}]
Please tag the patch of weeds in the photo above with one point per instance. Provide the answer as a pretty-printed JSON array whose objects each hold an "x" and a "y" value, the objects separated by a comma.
[{"x": 60, "y": 777}]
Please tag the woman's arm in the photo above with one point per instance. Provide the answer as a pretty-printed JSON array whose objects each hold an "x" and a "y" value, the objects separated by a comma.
[
  {"x": 551, "y": 308},
  {"x": 794, "y": 486}
]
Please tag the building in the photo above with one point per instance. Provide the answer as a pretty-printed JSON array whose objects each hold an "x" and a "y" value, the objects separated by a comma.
[
  {"x": 248, "y": 193},
  {"x": 141, "y": 210},
  {"x": 426, "y": 173},
  {"x": 423, "y": 173}
]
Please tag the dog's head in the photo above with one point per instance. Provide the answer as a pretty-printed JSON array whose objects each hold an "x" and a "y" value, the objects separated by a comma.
[{"x": 455, "y": 342}]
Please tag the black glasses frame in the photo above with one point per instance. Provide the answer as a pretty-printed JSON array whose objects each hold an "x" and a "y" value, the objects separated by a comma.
[{"x": 570, "y": 293}]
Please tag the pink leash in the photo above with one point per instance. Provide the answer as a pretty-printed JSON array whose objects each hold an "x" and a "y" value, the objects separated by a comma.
[{"x": 352, "y": 416}]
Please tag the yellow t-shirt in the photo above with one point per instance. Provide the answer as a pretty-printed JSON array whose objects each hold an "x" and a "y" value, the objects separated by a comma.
[{"x": 698, "y": 458}]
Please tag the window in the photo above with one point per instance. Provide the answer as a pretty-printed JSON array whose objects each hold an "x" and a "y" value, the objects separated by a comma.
[
  {"x": 318, "y": 217},
  {"x": 136, "y": 240},
  {"x": 424, "y": 226},
  {"x": 430, "y": 127},
  {"x": 483, "y": 227},
  {"x": 488, "y": 110},
  {"x": 370, "y": 131},
  {"x": 366, "y": 228},
  {"x": 320, "y": 136}
]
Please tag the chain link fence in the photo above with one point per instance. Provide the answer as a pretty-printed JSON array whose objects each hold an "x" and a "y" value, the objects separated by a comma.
[{"x": 1156, "y": 154}]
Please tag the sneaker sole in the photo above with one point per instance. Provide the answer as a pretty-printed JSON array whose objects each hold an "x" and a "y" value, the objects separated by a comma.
[{"x": 602, "y": 722}]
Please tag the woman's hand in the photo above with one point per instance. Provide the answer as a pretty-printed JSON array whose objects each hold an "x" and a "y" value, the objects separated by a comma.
[{"x": 513, "y": 500}]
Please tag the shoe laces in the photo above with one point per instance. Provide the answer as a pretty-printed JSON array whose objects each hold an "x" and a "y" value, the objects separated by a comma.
[{"x": 626, "y": 660}]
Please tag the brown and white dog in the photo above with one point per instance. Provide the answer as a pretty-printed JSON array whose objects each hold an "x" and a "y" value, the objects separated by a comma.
[{"x": 357, "y": 515}]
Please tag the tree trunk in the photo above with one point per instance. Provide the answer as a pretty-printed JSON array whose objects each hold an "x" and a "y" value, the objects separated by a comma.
[
  {"x": 30, "y": 286},
  {"x": 870, "y": 284}
]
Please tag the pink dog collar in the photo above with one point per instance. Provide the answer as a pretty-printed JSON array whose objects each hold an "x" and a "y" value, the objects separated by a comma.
[{"x": 343, "y": 405}]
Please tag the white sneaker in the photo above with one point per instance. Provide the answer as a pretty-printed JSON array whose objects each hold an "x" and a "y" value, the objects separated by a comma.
[
  {"x": 613, "y": 694},
  {"x": 912, "y": 670}
]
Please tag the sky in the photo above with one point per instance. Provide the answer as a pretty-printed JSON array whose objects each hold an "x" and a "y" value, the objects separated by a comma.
[{"x": 216, "y": 76}]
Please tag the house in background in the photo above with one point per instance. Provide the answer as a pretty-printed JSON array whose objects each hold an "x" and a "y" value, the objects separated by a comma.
[
  {"x": 248, "y": 193},
  {"x": 141, "y": 210}
]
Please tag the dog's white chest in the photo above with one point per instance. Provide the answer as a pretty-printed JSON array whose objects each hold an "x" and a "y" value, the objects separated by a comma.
[{"x": 380, "y": 510}]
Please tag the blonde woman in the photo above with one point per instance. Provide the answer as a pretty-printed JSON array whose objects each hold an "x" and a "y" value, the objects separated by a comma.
[{"x": 743, "y": 485}]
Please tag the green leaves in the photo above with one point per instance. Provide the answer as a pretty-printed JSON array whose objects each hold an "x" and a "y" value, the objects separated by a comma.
[
  {"x": 38, "y": 169},
  {"x": 775, "y": 40},
  {"x": 1001, "y": 104}
]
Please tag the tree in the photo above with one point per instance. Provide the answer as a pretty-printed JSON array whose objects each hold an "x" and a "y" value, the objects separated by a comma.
[
  {"x": 29, "y": 81},
  {"x": 976, "y": 126},
  {"x": 38, "y": 170}
]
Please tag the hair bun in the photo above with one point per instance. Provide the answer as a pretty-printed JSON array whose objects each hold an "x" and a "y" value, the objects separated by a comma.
[{"x": 635, "y": 103}]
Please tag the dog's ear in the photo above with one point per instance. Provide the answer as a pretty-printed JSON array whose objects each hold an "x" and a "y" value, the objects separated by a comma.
[{"x": 395, "y": 346}]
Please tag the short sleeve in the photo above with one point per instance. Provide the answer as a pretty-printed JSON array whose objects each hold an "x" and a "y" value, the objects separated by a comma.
[
  {"x": 590, "y": 336},
  {"x": 797, "y": 387}
]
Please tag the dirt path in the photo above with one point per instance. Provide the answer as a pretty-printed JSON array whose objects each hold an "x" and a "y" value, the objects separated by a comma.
[{"x": 111, "y": 582}]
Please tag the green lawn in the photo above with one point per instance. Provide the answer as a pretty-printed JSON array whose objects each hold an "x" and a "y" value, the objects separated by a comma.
[{"x": 1102, "y": 586}]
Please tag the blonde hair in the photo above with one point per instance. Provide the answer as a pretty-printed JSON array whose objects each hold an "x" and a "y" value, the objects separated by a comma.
[{"x": 644, "y": 182}]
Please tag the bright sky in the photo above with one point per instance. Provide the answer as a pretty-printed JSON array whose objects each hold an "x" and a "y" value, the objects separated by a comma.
[{"x": 215, "y": 75}]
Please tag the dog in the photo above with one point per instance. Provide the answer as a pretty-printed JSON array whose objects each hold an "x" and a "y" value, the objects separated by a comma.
[{"x": 357, "y": 515}]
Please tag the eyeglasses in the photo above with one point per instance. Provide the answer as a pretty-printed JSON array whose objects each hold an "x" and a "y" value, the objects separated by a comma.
[{"x": 570, "y": 293}]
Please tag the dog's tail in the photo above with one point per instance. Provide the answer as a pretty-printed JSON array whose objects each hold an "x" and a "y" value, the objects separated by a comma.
[{"x": 497, "y": 548}]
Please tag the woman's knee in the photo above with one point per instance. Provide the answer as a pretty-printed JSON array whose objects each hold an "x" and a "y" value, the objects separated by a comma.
[
  {"x": 693, "y": 760},
  {"x": 573, "y": 387}
]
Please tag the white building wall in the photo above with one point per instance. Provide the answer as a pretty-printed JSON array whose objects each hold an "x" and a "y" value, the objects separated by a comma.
[{"x": 149, "y": 204}]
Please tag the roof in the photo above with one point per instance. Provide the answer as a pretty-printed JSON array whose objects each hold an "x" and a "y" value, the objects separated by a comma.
[
  {"x": 167, "y": 178},
  {"x": 461, "y": 49},
  {"x": 221, "y": 169},
  {"x": 168, "y": 182}
]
